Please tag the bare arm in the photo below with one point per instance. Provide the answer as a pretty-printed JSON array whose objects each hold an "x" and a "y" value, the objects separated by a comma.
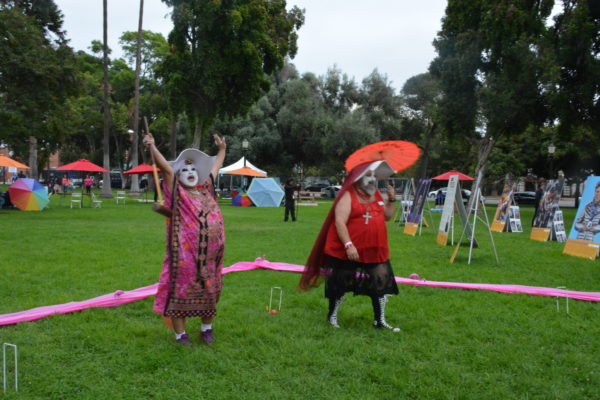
[
  {"x": 388, "y": 211},
  {"x": 165, "y": 168},
  {"x": 220, "y": 156},
  {"x": 342, "y": 213}
]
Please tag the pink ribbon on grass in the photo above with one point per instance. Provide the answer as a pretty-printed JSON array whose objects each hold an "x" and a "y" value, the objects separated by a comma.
[{"x": 121, "y": 297}]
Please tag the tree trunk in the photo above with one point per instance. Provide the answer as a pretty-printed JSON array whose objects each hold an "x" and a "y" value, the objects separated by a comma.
[
  {"x": 135, "y": 187},
  {"x": 33, "y": 158},
  {"x": 106, "y": 189},
  {"x": 485, "y": 146},
  {"x": 425, "y": 158},
  {"x": 197, "y": 136},
  {"x": 173, "y": 139}
]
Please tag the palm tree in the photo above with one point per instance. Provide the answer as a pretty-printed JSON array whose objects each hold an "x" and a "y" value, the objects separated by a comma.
[
  {"x": 136, "y": 110},
  {"x": 106, "y": 189}
]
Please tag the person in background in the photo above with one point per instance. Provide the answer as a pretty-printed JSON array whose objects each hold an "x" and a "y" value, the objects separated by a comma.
[
  {"x": 88, "y": 183},
  {"x": 66, "y": 183},
  {"x": 50, "y": 184},
  {"x": 290, "y": 187},
  {"x": 539, "y": 193}
]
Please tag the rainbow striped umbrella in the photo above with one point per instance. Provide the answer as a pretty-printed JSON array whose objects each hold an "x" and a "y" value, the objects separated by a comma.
[{"x": 28, "y": 195}]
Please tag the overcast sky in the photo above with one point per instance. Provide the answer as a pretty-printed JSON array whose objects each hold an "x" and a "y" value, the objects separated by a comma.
[{"x": 394, "y": 36}]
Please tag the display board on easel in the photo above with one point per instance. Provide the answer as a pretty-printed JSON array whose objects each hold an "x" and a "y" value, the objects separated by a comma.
[
  {"x": 415, "y": 217},
  {"x": 558, "y": 227},
  {"x": 453, "y": 200},
  {"x": 476, "y": 204},
  {"x": 542, "y": 223},
  {"x": 470, "y": 228},
  {"x": 405, "y": 203},
  {"x": 584, "y": 238},
  {"x": 514, "y": 220},
  {"x": 501, "y": 216}
]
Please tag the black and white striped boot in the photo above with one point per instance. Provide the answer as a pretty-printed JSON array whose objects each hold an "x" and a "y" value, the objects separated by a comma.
[
  {"x": 334, "y": 307},
  {"x": 379, "y": 311}
]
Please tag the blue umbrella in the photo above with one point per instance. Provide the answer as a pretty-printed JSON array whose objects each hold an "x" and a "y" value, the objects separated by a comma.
[{"x": 265, "y": 192}]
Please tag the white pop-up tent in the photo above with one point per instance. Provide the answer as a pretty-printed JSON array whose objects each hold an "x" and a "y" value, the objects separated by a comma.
[
  {"x": 244, "y": 171},
  {"x": 240, "y": 164}
]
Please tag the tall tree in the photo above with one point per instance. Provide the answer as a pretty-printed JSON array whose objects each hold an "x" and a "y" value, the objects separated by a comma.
[
  {"x": 106, "y": 184},
  {"x": 220, "y": 53},
  {"x": 136, "y": 103},
  {"x": 490, "y": 68},
  {"x": 420, "y": 95}
]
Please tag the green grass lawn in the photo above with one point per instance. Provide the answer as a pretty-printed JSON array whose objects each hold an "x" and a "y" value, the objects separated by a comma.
[{"x": 454, "y": 344}]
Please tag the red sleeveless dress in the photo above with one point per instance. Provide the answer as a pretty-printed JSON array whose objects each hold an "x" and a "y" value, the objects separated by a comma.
[{"x": 367, "y": 229}]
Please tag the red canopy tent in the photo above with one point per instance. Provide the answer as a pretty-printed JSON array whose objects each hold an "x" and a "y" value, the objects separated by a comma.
[
  {"x": 141, "y": 169},
  {"x": 446, "y": 176},
  {"x": 82, "y": 165}
]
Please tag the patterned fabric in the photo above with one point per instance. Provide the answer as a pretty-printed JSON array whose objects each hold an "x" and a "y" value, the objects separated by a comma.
[{"x": 190, "y": 282}]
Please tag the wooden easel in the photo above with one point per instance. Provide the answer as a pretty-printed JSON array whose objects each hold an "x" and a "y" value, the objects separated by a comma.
[{"x": 478, "y": 202}]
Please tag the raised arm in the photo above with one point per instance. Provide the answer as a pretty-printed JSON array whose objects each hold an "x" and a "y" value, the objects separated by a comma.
[
  {"x": 220, "y": 156},
  {"x": 388, "y": 211},
  {"x": 165, "y": 168}
]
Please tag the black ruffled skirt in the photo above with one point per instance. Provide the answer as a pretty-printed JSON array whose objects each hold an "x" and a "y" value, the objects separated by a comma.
[{"x": 368, "y": 279}]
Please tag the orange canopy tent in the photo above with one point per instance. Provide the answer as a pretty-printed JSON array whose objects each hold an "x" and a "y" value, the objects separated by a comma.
[
  {"x": 6, "y": 161},
  {"x": 247, "y": 171}
]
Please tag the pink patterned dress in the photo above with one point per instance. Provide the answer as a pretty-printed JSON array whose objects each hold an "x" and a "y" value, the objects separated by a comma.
[{"x": 190, "y": 282}]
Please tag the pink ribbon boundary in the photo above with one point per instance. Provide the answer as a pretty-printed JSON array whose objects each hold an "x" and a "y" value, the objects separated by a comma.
[{"x": 121, "y": 297}]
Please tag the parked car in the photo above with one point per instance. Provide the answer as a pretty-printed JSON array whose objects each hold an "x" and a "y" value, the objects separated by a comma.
[
  {"x": 524, "y": 197},
  {"x": 316, "y": 187},
  {"x": 331, "y": 191},
  {"x": 466, "y": 193},
  {"x": 433, "y": 193}
]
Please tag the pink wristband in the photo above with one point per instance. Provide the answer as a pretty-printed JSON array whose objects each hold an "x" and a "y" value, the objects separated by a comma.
[{"x": 348, "y": 244}]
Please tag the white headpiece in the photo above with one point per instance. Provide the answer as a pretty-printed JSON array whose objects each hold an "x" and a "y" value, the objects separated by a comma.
[
  {"x": 381, "y": 168},
  {"x": 201, "y": 161}
]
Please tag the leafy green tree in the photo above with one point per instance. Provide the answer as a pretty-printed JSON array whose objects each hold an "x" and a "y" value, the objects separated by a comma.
[
  {"x": 420, "y": 95},
  {"x": 220, "y": 53},
  {"x": 378, "y": 99},
  {"x": 576, "y": 46},
  {"x": 37, "y": 73},
  {"x": 489, "y": 68},
  {"x": 154, "y": 48}
]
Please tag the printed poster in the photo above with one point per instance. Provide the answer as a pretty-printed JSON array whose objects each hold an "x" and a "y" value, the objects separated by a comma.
[
  {"x": 414, "y": 218},
  {"x": 558, "y": 227},
  {"x": 500, "y": 218},
  {"x": 514, "y": 219},
  {"x": 453, "y": 199},
  {"x": 584, "y": 238},
  {"x": 447, "y": 211},
  {"x": 542, "y": 224}
]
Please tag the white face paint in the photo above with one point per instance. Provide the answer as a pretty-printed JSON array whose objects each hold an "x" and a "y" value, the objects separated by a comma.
[
  {"x": 368, "y": 183},
  {"x": 188, "y": 176}
]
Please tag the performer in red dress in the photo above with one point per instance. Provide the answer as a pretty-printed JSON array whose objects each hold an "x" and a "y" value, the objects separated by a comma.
[{"x": 352, "y": 247}]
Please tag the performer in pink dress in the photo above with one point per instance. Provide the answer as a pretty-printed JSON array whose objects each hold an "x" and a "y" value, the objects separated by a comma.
[{"x": 190, "y": 281}]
